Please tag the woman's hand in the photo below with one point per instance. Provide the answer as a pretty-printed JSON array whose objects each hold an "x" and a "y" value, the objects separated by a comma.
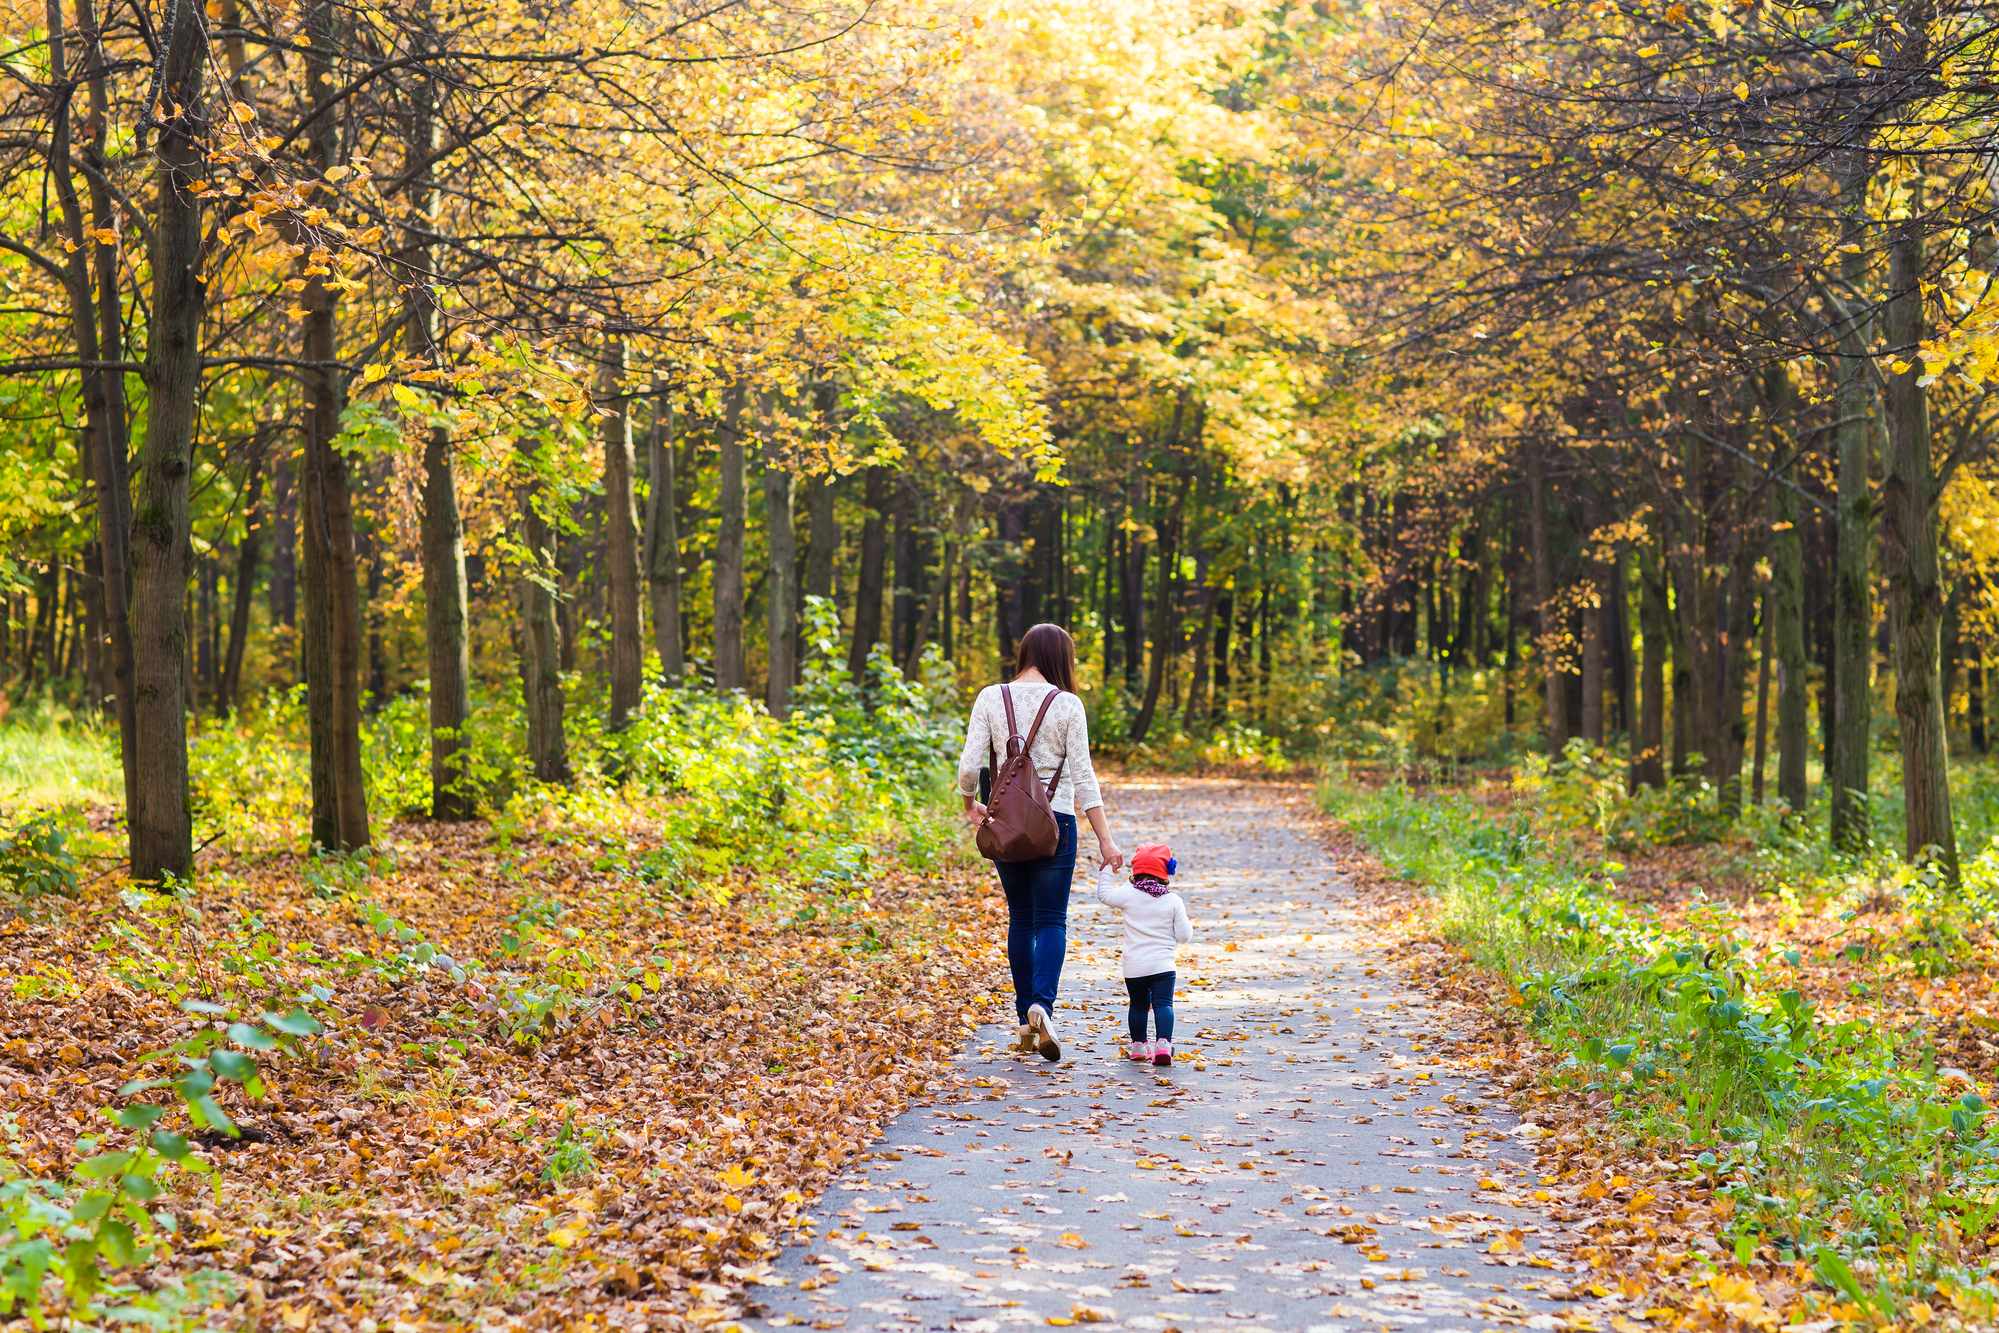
[
  {"x": 1108, "y": 851},
  {"x": 975, "y": 814}
]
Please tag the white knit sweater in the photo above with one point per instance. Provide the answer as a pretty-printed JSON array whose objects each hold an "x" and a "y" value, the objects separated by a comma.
[
  {"x": 1154, "y": 928},
  {"x": 1064, "y": 736}
]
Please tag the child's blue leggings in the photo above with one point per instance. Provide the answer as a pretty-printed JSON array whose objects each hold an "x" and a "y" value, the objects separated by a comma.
[{"x": 1154, "y": 993}]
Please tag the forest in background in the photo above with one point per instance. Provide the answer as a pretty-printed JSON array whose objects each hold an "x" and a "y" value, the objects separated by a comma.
[{"x": 1425, "y": 384}]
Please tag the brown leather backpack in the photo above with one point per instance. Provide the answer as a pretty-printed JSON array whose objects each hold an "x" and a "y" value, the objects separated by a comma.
[{"x": 1020, "y": 823}]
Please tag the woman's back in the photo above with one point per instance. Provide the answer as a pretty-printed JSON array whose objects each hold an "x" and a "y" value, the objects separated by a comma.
[{"x": 1063, "y": 743}]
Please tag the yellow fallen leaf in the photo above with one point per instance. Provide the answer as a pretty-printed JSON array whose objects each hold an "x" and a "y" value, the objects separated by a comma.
[{"x": 1069, "y": 1240}]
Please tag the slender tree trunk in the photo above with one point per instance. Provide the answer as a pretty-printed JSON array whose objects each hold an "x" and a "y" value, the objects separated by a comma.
[
  {"x": 1163, "y": 627},
  {"x": 441, "y": 527},
  {"x": 1974, "y": 699},
  {"x": 1696, "y": 659},
  {"x": 1763, "y": 655},
  {"x": 621, "y": 545},
  {"x": 1909, "y": 558},
  {"x": 822, "y": 541},
  {"x": 732, "y": 518},
  {"x": 1788, "y": 611},
  {"x": 936, "y": 599},
  {"x": 98, "y": 340},
  {"x": 1134, "y": 573},
  {"x": 663, "y": 541},
  {"x": 902, "y": 593},
  {"x": 446, "y": 641},
  {"x": 1198, "y": 710},
  {"x": 331, "y": 645},
  {"x": 780, "y": 591},
  {"x": 1544, "y": 597},
  {"x": 1648, "y": 767},
  {"x": 868, "y": 588},
  {"x": 541, "y": 664},
  {"x": 1731, "y": 661},
  {"x": 1853, "y": 590},
  {"x": 1593, "y": 655},
  {"x": 242, "y": 588},
  {"x": 162, "y": 831},
  {"x": 283, "y": 583},
  {"x": 1107, "y": 618}
]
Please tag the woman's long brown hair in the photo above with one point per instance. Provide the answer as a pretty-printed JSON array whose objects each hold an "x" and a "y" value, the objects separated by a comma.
[{"x": 1049, "y": 650}]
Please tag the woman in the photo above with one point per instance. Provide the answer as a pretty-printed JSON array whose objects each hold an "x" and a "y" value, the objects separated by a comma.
[{"x": 1037, "y": 892}]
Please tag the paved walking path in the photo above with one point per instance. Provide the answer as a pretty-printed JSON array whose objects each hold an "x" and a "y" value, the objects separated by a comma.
[{"x": 1316, "y": 1160}]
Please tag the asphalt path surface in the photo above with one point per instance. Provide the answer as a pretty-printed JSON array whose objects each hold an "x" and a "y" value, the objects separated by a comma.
[{"x": 1324, "y": 1155}]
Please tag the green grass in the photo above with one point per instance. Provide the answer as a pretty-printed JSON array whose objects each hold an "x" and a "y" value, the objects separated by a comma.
[
  {"x": 51, "y": 756},
  {"x": 1836, "y": 1140}
]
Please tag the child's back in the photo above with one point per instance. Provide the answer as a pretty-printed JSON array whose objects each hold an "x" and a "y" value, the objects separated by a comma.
[{"x": 1155, "y": 926}]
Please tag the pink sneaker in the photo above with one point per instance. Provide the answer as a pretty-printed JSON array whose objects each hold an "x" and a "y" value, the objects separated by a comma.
[
  {"x": 1140, "y": 1051},
  {"x": 1162, "y": 1053}
]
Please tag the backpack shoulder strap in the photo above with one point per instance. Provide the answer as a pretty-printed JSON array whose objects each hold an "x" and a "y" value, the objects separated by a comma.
[
  {"x": 1035, "y": 730},
  {"x": 1055, "y": 782},
  {"x": 1040, "y": 713},
  {"x": 1013, "y": 727}
]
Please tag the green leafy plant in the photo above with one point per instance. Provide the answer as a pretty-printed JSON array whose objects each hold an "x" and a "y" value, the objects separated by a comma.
[{"x": 35, "y": 858}]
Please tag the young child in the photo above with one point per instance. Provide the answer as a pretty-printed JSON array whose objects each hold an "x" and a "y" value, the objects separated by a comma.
[{"x": 1155, "y": 926}]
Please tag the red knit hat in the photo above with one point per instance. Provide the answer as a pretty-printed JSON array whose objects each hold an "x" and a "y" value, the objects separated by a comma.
[{"x": 1154, "y": 859}]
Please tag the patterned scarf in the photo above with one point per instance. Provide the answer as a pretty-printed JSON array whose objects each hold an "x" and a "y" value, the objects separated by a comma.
[{"x": 1158, "y": 888}]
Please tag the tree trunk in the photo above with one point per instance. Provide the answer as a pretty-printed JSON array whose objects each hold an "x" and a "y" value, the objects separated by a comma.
[
  {"x": 1549, "y": 647},
  {"x": 1853, "y": 590},
  {"x": 1593, "y": 655},
  {"x": 822, "y": 541},
  {"x": 732, "y": 517},
  {"x": 1763, "y": 654},
  {"x": 908, "y": 566},
  {"x": 1134, "y": 573},
  {"x": 282, "y": 586},
  {"x": 331, "y": 639},
  {"x": 446, "y": 642},
  {"x": 242, "y": 587},
  {"x": 98, "y": 339},
  {"x": 161, "y": 826},
  {"x": 781, "y": 591},
  {"x": 1163, "y": 627},
  {"x": 1909, "y": 558},
  {"x": 1974, "y": 699},
  {"x": 621, "y": 544},
  {"x": 663, "y": 541},
  {"x": 541, "y": 664},
  {"x": 1648, "y": 767},
  {"x": 1107, "y": 614},
  {"x": 868, "y": 588},
  {"x": 937, "y": 598},
  {"x": 1198, "y": 710},
  {"x": 441, "y": 527},
  {"x": 1788, "y": 611},
  {"x": 1731, "y": 663}
]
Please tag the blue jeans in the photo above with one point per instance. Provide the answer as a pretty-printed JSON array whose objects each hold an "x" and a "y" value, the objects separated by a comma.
[
  {"x": 1156, "y": 994},
  {"x": 1037, "y": 920}
]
